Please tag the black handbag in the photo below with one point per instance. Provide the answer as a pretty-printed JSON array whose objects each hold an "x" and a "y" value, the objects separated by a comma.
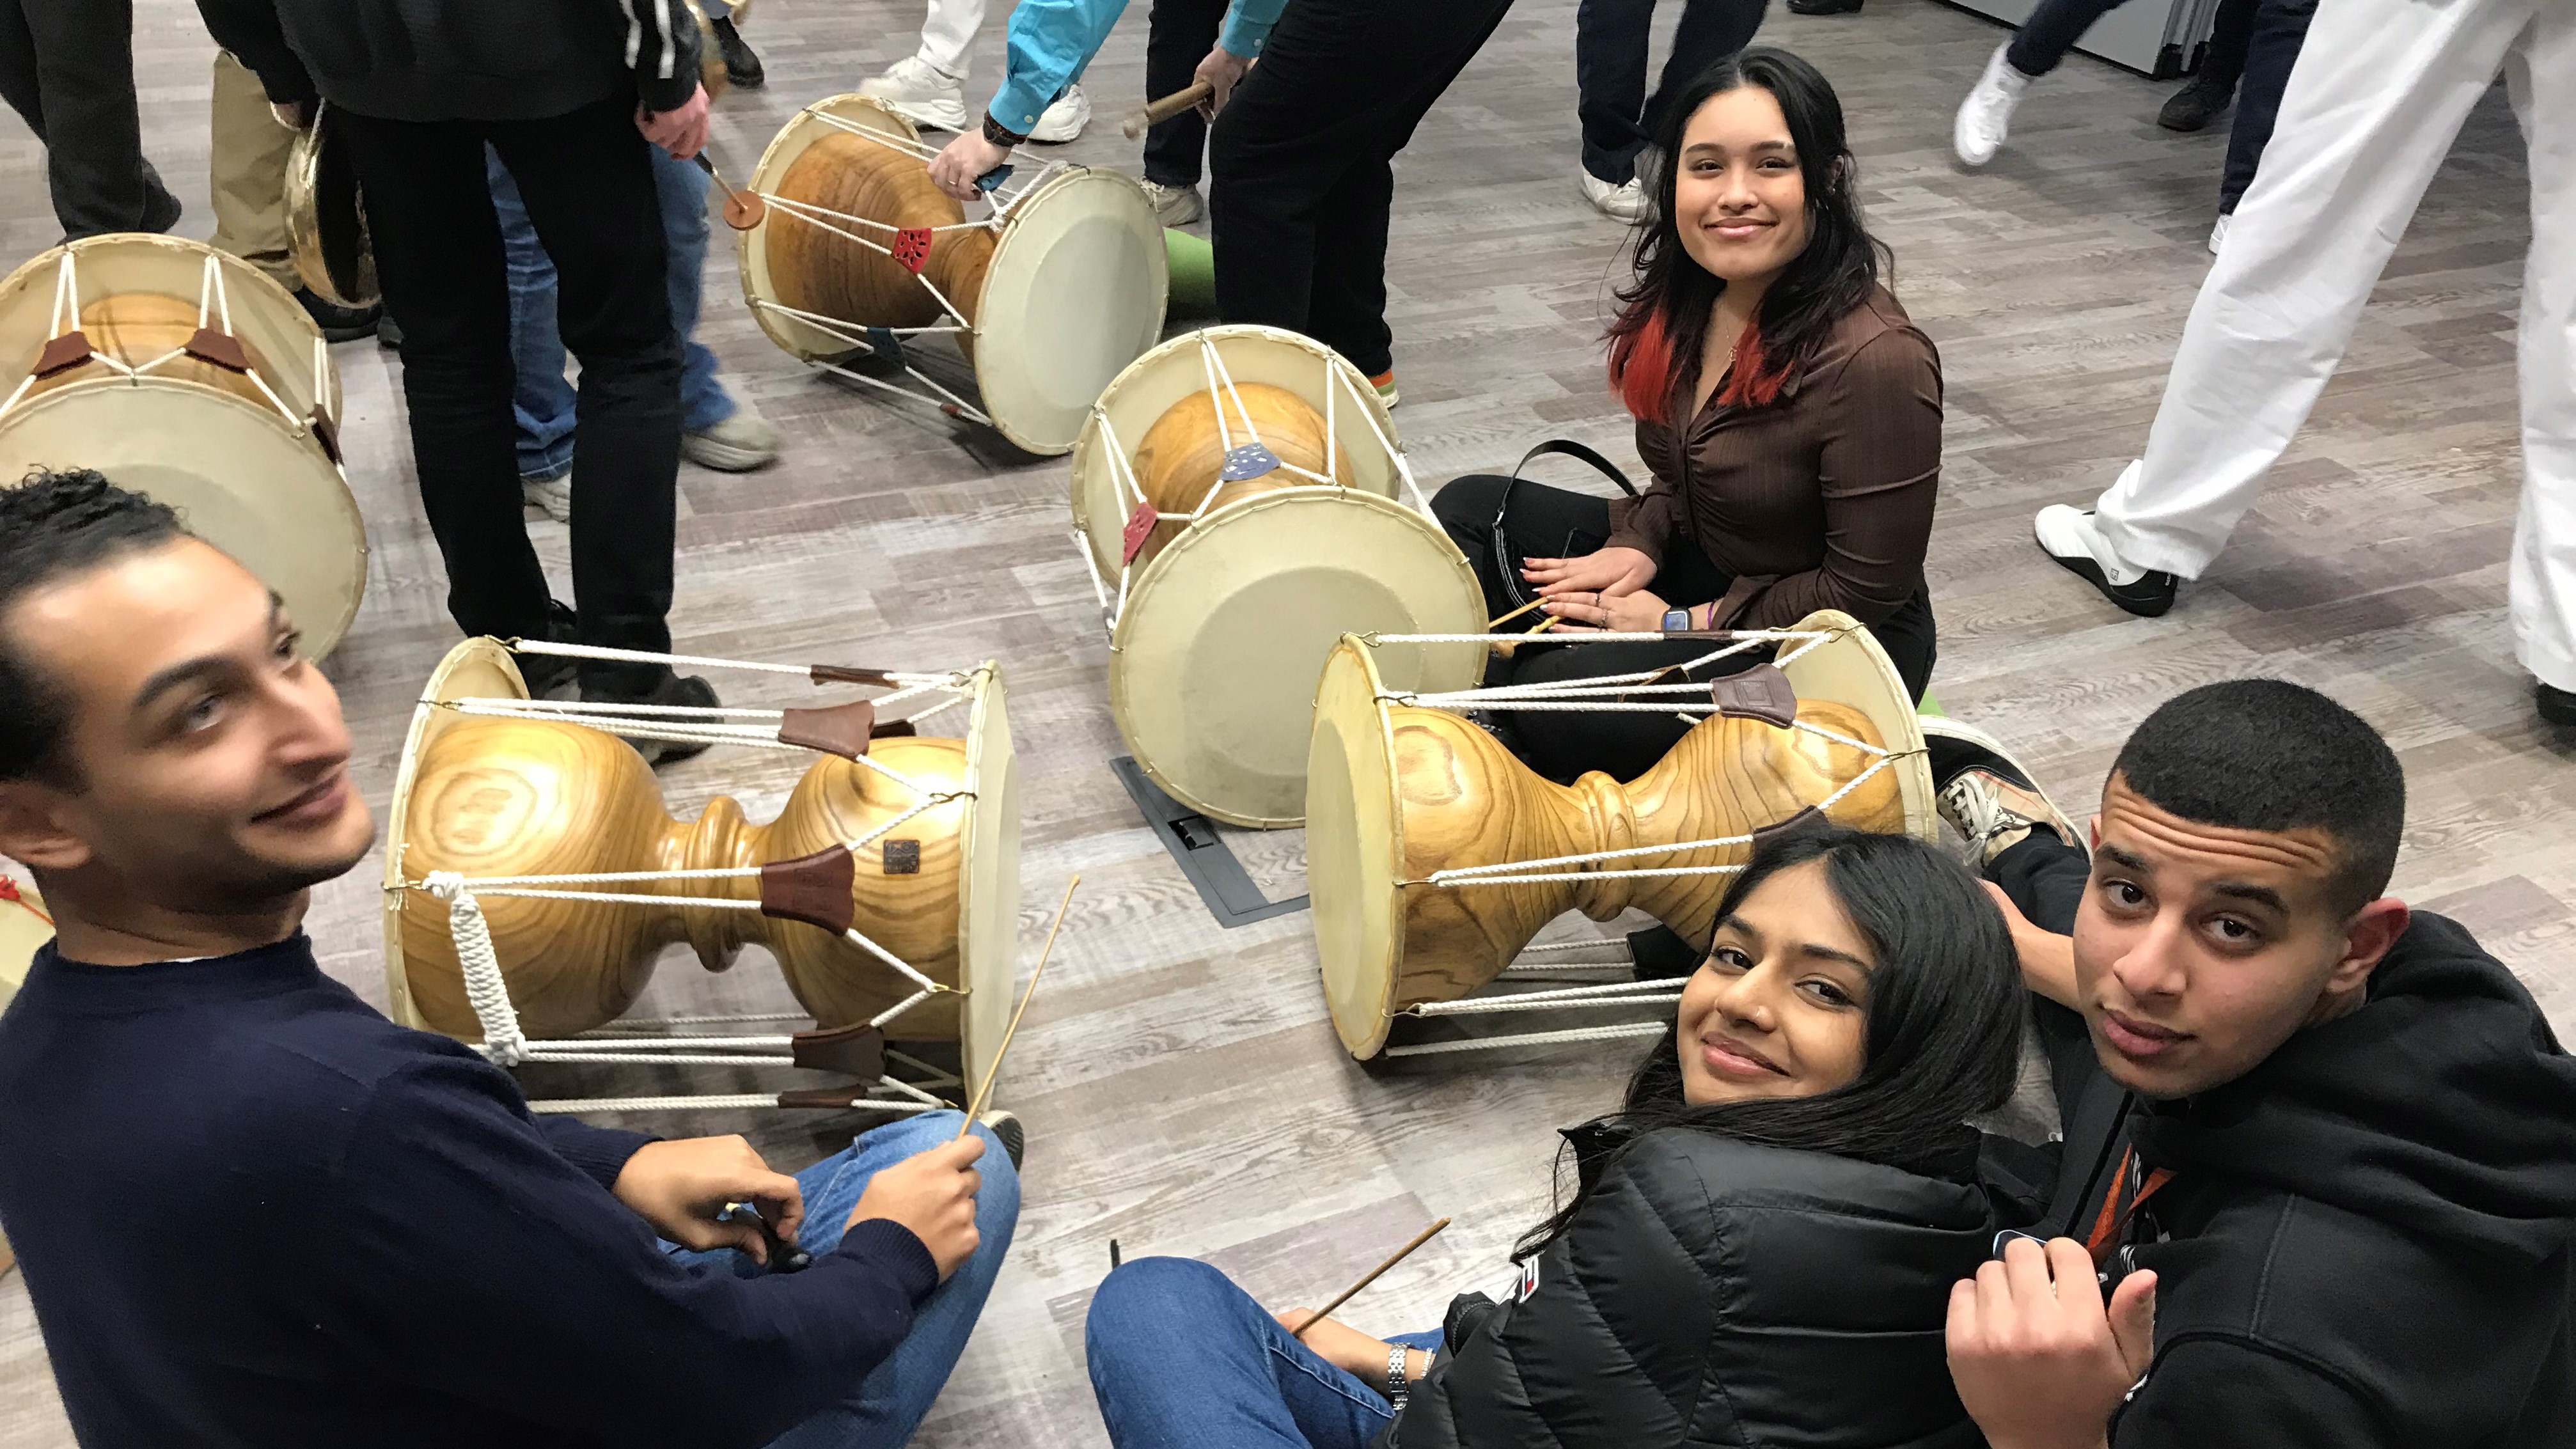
[{"x": 1498, "y": 537}]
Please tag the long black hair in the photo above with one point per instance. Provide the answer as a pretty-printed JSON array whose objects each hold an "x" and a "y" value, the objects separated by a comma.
[
  {"x": 1663, "y": 322},
  {"x": 1943, "y": 1026}
]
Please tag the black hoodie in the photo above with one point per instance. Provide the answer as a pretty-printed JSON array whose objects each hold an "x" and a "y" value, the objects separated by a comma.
[{"x": 2367, "y": 1238}]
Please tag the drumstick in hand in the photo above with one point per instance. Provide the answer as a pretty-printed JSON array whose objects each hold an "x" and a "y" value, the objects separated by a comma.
[
  {"x": 1157, "y": 112},
  {"x": 1420, "y": 1238},
  {"x": 975, "y": 1108},
  {"x": 742, "y": 209}
]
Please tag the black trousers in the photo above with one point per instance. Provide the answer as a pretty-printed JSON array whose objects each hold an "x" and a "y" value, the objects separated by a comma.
[
  {"x": 1556, "y": 523},
  {"x": 1610, "y": 39},
  {"x": 2231, "y": 34},
  {"x": 67, "y": 69},
  {"x": 1301, "y": 163},
  {"x": 2279, "y": 29},
  {"x": 588, "y": 183},
  {"x": 1179, "y": 36}
]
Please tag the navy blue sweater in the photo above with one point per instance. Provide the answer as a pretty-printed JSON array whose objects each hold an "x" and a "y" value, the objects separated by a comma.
[{"x": 252, "y": 1211}]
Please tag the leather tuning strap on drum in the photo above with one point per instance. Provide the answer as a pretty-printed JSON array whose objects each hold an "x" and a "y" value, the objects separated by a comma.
[
  {"x": 856, "y": 1051},
  {"x": 64, "y": 353},
  {"x": 845, "y": 674},
  {"x": 813, "y": 888},
  {"x": 1761, "y": 692},
  {"x": 841, "y": 729}
]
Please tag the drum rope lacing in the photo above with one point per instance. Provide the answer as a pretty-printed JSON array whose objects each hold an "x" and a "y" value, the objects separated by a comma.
[
  {"x": 214, "y": 304},
  {"x": 1220, "y": 388},
  {"x": 486, "y": 989},
  {"x": 823, "y": 218},
  {"x": 1597, "y": 693}
]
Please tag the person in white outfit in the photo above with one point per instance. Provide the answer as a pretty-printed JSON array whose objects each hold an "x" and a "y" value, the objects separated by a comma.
[
  {"x": 2371, "y": 110},
  {"x": 929, "y": 85}
]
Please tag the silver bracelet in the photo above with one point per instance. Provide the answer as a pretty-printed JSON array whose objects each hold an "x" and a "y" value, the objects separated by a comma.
[{"x": 1395, "y": 1388}]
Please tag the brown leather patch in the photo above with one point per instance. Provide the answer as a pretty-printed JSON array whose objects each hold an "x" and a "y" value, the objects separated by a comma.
[
  {"x": 856, "y": 1051},
  {"x": 903, "y": 857},
  {"x": 893, "y": 729},
  {"x": 220, "y": 348},
  {"x": 1807, "y": 819},
  {"x": 843, "y": 674},
  {"x": 64, "y": 353},
  {"x": 841, "y": 729},
  {"x": 813, "y": 888},
  {"x": 325, "y": 432},
  {"x": 1761, "y": 692}
]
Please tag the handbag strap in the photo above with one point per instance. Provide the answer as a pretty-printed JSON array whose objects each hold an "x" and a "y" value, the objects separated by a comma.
[{"x": 1567, "y": 447}]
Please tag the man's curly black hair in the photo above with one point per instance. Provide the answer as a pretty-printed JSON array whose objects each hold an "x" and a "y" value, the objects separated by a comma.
[{"x": 53, "y": 525}]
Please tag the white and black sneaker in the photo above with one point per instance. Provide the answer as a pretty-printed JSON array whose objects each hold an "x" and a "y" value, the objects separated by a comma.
[
  {"x": 1006, "y": 1125},
  {"x": 2069, "y": 536},
  {"x": 1984, "y": 793}
]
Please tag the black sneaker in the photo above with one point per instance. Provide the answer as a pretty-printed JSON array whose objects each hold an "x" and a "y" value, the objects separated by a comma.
[
  {"x": 1006, "y": 1125},
  {"x": 2060, "y": 529},
  {"x": 674, "y": 689},
  {"x": 388, "y": 336},
  {"x": 2557, "y": 706},
  {"x": 550, "y": 676},
  {"x": 2192, "y": 107},
  {"x": 742, "y": 67},
  {"x": 338, "y": 324},
  {"x": 1984, "y": 793}
]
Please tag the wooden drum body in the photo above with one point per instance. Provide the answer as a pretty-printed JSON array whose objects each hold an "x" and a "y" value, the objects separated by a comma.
[
  {"x": 117, "y": 353},
  {"x": 1396, "y": 793},
  {"x": 1049, "y": 305},
  {"x": 488, "y": 797},
  {"x": 1221, "y": 621}
]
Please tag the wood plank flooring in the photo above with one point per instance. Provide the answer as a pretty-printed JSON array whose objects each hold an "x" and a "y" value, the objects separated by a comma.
[{"x": 1183, "y": 1091}]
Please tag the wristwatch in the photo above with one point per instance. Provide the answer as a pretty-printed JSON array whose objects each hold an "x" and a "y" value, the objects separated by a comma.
[
  {"x": 1396, "y": 1392},
  {"x": 1676, "y": 621},
  {"x": 994, "y": 133}
]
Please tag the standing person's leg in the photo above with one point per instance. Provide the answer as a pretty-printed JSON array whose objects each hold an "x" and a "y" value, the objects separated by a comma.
[
  {"x": 1243, "y": 1382},
  {"x": 1985, "y": 117},
  {"x": 717, "y": 430},
  {"x": 246, "y": 174},
  {"x": 588, "y": 185},
  {"x": 2222, "y": 64},
  {"x": 2380, "y": 91},
  {"x": 541, "y": 399},
  {"x": 84, "y": 73},
  {"x": 1610, "y": 40},
  {"x": 2051, "y": 31},
  {"x": 929, "y": 84},
  {"x": 1710, "y": 31},
  {"x": 439, "y": 259},
  {"x": 948, "y": 33},
  {"x": 1180, "y": 33},
  {"x": 2541, "y": 73},
  {"x": 2280, "y": 32}
]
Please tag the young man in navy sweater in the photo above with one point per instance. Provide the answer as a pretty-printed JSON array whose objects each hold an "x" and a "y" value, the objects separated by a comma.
[{"x": 253, "y": 1211}]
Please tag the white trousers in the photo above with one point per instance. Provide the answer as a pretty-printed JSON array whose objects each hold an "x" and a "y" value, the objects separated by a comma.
[
  {"x": 948, "y": 33},
  {"x": 2379, "y": 94}
]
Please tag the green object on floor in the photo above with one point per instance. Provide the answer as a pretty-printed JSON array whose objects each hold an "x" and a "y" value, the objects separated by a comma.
[
  {"x": 1931, "y": 705},
  {"x": 1193, "y": 267}
]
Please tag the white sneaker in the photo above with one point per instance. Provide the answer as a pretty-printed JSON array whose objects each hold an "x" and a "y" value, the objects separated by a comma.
[
  {"x": 554, "y": 495},
  {"x": 2218, "y": 232},
  {"x": 917, "y": 92},
  {"x": 1063, "y": 119},
  {"x": 737, "y": 445},
  {"x": 2065, "y": 531},
  {"x": 1175, "y": 205},
  {"x": 1986, "y": 115},
  {"x": 1624, "y": 202}
]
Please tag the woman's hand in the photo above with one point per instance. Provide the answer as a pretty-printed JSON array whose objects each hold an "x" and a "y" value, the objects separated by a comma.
[
  {"x": 1636, "y": 613},
  {"x": 1608, "y": 571},
  {"x": 959, "y": 164},
  {"x": 1353, "y": 1352}
]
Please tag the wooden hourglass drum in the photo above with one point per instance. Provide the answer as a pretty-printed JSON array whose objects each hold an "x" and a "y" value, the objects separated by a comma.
[
  {"x": 1239, "y": 496},
  {"x": 518, "y": 797},
  {"x": 1407, "y": 805}
]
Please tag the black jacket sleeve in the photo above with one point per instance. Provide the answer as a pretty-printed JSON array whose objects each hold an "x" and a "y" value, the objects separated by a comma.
[
  {"x": 663, "y": 40},
  {"x": 250, "y": 30}
]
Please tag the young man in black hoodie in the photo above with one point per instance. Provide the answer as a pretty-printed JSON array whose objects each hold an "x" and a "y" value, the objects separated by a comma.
[
  {"x": 2324, "y": 1147},
  {"x": 571, "y": 94},
  {"x": 253, "y": 1211}
]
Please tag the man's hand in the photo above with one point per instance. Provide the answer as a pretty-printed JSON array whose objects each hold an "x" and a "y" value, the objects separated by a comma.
[
  {"x": 683, "y": 132},
  {"x": 958, "y": 163},
  {"x": 2037, "y": 1361},
  {"x": 680, "y": 1187},
  {"x": 290, "y": 114},
  {"x": 1222, "y": 71},
  {"x": 2047, "y": 958},
  {"x": 1610, "y": 571},
  {"x": 933, "y": 1194}
]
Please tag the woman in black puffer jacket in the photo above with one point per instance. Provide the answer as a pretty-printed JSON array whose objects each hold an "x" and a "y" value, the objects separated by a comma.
[{"x": 1762, "y": 1243}]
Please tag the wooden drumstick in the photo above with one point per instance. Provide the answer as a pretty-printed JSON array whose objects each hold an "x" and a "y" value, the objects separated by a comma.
[
  {"x": 742, "y": 209},
  {"x": 1420, "y": 1238},
  {"x": 975, "y": 1107},
  {"x": 1539, "y": 602},
  {"x": 1156, "y": 113}
]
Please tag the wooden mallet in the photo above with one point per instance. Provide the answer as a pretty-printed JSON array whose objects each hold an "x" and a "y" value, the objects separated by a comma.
[
  {"x": 975, "y": 1108},
  {"x": 1420, "y": 1238},
  {"x": 1157, "y": 112},
  {"x": 742, "y": 209}
]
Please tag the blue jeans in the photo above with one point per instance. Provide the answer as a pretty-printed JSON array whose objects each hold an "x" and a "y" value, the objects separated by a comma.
[
  {"x": 1183, "y": 1359},
  {"x": 891, "y": 1400},
  {"x": 543, "y": 401}
]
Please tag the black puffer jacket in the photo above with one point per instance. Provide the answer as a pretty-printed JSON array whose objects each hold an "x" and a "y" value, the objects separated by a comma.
[{"x": 1715, "y": 1293}]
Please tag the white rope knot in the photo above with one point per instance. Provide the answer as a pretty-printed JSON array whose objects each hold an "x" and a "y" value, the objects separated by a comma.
[{"x": 485, "y": 991}]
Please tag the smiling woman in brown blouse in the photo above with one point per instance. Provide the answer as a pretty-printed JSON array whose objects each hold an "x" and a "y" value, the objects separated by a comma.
[{"x": 1789, "y": 412}]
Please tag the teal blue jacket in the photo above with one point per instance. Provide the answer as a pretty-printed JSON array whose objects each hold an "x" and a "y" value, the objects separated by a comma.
[{"x": 1052, "y": 40}]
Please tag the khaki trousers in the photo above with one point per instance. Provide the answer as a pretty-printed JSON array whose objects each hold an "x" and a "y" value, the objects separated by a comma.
[{"x": 248, "y": 173}]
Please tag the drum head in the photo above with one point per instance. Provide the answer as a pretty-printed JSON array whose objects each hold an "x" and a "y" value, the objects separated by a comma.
[
  {"x": 810, "y": 344},
  {"x": 988, "y": 889},
  {"x": 1851, "y": 669},
  {"x": 239, "y": 475},
  {"x": 1139, "y": 396},
  {"x": 264, "y": 316},
  {"x": 1075, "y": 293},
  {"x": 474, "y": 669},
  {"x": 1355, "y": 848},
  {"x": 1212, "y": 669}
]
